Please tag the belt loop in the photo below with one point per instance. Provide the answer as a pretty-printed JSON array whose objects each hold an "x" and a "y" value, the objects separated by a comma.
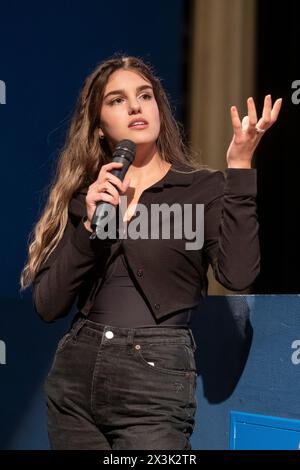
[
  {"x": 130, "y": 337},
  {"x": 193, "y": 340},
  {"x": 77, "y": 327},
  {"x": 129, "y": 342}
]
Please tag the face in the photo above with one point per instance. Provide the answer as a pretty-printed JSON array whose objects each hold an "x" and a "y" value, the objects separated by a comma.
[{"x": 129, "y": 97}]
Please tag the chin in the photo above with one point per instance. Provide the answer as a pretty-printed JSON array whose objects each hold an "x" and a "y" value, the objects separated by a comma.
[
  {"x": 137, "y": 138},
  {"x": 143, "y": 139}
]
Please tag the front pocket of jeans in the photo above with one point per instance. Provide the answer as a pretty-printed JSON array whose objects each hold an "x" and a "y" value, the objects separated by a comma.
[
  {"x": 63, "y": 342},
  {"x": 170, "y": 358},
  {"x": 70, "y": 337}
]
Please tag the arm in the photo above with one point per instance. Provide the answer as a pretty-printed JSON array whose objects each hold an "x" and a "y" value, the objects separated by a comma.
[
  {"x": 231, "y": 229},
  {"x": 59, "y": 279},
  {"x": 231, "y": 233}
]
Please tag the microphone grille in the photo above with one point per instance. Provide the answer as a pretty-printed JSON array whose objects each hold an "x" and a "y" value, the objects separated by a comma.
[{"x": 126, "y": 145}]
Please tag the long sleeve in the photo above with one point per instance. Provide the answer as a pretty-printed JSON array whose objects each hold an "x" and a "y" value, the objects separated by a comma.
[
  {"x": 59, "y": 279},
  {"x": 231, "y": 229}
]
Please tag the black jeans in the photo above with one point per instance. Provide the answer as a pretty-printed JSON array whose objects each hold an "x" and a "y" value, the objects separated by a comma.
[{"x": 122, "y": 388}]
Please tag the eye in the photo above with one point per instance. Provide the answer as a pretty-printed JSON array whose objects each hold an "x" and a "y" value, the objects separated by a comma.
[
  {"x": 146, "y": 96},
  {"x": 115, "y": 101}
]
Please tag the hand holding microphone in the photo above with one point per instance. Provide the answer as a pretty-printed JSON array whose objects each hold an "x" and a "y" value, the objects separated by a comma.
[{"x": 104, "y": 192}]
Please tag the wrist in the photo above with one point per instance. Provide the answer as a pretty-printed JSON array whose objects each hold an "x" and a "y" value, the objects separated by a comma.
[{"x": 239, "y": 164}]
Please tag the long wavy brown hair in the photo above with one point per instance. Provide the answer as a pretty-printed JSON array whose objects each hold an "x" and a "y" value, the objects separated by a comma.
[{"x": 83, "y": 154}]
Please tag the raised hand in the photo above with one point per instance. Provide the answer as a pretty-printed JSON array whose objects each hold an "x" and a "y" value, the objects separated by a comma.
[{"x": 248, "y": 132}]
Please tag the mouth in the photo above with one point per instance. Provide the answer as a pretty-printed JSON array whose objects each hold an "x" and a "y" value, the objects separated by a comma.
[{"x": 138, "y": 124}]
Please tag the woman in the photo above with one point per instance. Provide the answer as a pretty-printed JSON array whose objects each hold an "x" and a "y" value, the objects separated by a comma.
[{"x": 124, "y": 375}]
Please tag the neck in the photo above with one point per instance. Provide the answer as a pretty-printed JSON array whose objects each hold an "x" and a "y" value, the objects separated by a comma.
[{"x": 146, "y": 165}]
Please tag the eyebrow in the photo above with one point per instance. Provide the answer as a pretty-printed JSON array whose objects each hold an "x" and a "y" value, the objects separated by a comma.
[{"x": 118, "y": 92}]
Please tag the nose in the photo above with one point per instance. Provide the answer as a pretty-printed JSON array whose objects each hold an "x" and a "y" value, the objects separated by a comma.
[{"x": 134, "y": 107}]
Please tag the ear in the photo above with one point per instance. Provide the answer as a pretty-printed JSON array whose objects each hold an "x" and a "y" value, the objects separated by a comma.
[{"x": 101, "y": 134}]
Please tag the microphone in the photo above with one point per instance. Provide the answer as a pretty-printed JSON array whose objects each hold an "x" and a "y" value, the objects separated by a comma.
[{"x": 124, "y": 153}]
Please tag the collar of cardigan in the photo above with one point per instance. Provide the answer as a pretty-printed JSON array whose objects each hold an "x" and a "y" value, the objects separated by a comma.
[{"x": 178, "y": 174}]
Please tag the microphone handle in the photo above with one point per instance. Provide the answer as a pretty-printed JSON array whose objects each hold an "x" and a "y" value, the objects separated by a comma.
[{"x": 102, "y": 206}]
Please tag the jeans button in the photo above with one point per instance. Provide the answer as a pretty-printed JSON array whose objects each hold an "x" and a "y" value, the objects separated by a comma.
[
  {"x": 109, "y": 334},
  {"x": 157, "y": 306}
]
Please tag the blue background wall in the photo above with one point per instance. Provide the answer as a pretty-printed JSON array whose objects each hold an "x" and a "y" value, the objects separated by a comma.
[{"x": 46, "y": 51}]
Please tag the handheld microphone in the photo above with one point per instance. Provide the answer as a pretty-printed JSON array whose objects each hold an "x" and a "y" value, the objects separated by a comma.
[{"x": 124, "y": 153}]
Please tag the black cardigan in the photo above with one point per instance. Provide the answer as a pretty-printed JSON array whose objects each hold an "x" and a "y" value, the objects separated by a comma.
[{"x": 171, "y": 277}]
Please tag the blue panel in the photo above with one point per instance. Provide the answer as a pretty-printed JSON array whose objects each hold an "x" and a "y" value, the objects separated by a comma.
[
  {"x": 248, "y": 360},
  {"x": 259, "y": 432}
]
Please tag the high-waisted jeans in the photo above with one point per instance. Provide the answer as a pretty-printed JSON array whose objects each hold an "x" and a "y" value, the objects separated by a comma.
[{"x": 122, "y": 388}]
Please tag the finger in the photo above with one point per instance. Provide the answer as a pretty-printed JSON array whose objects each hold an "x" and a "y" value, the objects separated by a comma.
[
  {"x": 251, "y": 114},
  {"x": 265, "y": 120},
  {"x": 267, "y": 109},
  {"x": 235, "y": 120},
  {"x": 110, "y": 189},
  {"x": 107, "y": 198},
  {"x": 114, "y": 180},
  {"x": 275, "y": 110},
  {"x": 270, "y": 115},
  {"x": 99, "y": 187},
  {"x": 108, "y": 167},
  {"x": 245, "y": 123}
]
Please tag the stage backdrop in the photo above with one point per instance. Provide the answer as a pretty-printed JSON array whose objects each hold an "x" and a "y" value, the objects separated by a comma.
[{"x": 45, "y": 54}]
